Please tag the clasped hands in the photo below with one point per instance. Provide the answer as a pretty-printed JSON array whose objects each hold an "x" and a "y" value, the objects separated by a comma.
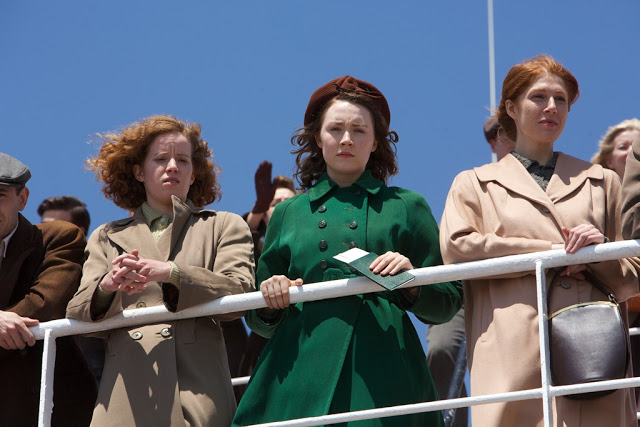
[
  {"x": 130, "y": 273},
  {"x": 275, "y": 290}
]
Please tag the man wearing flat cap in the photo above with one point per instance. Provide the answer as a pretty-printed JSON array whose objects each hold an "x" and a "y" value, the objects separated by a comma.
[{"x": 40, "y": 268}]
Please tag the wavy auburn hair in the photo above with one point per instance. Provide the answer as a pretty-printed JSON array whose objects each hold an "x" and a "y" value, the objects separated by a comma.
[
  {"x": 309, "y": 161},
  {"x": 521, "y": 76},
  {"x": 120, "y": 151}
]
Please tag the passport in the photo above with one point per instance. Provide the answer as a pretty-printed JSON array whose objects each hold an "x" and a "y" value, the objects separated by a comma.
[{"x": 361, "y": 260}]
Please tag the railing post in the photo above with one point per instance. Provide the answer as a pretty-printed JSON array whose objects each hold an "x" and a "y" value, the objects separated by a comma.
[
  {"x": 545, "y": 366},
  {"x": 46, "y": 379}
]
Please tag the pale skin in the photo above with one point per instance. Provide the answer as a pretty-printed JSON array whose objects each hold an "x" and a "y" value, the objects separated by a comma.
[
  {"x": 131, "y": 273},
  {"x": 540, "y": 114},
  {"x": 347, "y": 140},
  {"x": 14, "y": 331}
]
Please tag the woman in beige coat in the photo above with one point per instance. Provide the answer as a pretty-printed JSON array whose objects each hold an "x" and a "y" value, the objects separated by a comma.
[
  {"x": 534, "y": 199},
  {"x": 171, "y": 252}
]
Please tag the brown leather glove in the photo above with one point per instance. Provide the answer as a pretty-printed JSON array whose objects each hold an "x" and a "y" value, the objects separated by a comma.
[{"x": 265, "y": 188}]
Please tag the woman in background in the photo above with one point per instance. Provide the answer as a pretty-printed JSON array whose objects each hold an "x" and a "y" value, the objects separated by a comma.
[{"x": 615, "y": 145}]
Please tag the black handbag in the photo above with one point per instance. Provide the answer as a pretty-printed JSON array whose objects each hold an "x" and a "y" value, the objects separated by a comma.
[{"x": 588, "y": 342}]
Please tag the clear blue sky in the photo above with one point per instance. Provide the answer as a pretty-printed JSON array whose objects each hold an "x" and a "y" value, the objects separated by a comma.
[{"x": 245, "y": 70}]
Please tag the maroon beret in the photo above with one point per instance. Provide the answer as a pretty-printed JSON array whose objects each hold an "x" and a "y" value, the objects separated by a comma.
[{"x": 346, "y": 84}]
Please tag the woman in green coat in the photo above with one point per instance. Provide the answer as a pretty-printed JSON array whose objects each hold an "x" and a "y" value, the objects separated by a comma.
[{"x": 356, "y": 352}]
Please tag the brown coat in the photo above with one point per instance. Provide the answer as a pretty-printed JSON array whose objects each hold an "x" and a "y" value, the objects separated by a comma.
[
  {"x": 172, "y": 373},
  {"x": 38, "y": 277},
  {"x": 631, "y": 194},
  {"x": 497, "y": 210}
]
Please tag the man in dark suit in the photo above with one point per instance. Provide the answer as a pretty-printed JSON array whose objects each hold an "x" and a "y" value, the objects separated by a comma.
[{"x": 40, "y": 268}]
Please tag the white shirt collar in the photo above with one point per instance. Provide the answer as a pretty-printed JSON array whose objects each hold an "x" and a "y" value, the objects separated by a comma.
[{"x": 6, "y": 240}]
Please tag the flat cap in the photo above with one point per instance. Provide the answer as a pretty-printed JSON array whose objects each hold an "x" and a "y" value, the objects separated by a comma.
[
  {"x": 13, "y": 172},
  {"x": 346, "y": 84}
]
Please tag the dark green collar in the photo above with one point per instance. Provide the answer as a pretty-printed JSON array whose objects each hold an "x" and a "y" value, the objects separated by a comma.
[{"x": 324, "y": 185}]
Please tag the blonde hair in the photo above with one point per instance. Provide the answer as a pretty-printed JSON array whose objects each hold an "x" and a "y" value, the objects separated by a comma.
[{"x": 606, "y": 143}]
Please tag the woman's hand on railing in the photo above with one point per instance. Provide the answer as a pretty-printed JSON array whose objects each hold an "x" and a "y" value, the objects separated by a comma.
[
  {"x": 576, "y": 238},
  {"x": 275, "y": 291},
  {"x": 392, "y": 263},
  {"x": 580, "y": 236}
]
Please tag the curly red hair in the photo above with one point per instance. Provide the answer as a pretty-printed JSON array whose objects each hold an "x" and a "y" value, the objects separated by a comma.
[{"x": 121, "y": 151}]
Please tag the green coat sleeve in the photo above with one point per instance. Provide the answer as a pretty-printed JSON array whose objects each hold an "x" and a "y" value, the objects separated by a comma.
[
  {"x": 439, "y": 302},
  {"x": 271, "y": 263}
]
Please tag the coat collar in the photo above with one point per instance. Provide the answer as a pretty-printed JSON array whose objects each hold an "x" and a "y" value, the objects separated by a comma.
[
  {"x": 324, "y": 185},
  {"x": 570, "y": 173},
  {"x": 21, "y": 246},
  {"x": 134, "y": 233}
]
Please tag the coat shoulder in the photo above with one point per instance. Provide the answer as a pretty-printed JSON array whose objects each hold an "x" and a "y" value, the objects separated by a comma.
[
  {"x": 226, "y": 219},
  {"x": 410, "y": 198},
  {"x": 293, "y": 204},
  {"x": 60, "y": 230}
]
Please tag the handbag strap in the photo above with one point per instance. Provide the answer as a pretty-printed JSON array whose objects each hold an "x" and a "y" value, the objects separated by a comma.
[{"x": 595, "y": 282}]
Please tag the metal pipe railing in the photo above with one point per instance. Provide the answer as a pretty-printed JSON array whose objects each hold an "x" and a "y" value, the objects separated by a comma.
[{"x": 537, "y": 261}]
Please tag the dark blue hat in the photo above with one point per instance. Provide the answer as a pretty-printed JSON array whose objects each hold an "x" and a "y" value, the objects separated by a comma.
[{"x": 13, "y": 172}]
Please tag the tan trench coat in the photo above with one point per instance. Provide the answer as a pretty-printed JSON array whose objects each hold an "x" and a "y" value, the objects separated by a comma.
[
  {"x": 497, "y": 210},
  {"x": 173, "y": 373}
]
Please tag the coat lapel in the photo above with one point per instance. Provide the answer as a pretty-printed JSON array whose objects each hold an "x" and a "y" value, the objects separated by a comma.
[
  {"x": 20, "y": 248},
  {"x": 570, "y": 174},
  {"x": 134, "y": 233},
  {"x": 510, "y": 174}
]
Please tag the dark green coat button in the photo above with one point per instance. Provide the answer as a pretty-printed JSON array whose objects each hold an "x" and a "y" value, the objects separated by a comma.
[
  {"x": 323, "y": 245},
  {"x": 322, "y": 224},
  {"x": 353, "y": 245},
  {"x": 324, "y": 264},
  {"x": 353, "y": 225},
  {"x": 322, "y": 208}
]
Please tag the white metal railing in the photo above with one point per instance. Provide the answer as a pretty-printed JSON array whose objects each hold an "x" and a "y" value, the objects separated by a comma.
[{"x": 537, "y": 261}]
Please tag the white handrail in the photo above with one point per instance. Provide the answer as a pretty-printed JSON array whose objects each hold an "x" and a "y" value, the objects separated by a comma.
[
  {"x": 536, "y": 261},
  {"x": 344, "y": 287}
]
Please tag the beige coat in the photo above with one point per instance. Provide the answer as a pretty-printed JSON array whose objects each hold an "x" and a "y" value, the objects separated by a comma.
[
  {"x": 497, "y": 210},
  {"x": 174, "y": 373}
]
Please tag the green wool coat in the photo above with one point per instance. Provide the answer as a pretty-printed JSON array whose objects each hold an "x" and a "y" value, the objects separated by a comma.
[{"x": 356, "y": 352}]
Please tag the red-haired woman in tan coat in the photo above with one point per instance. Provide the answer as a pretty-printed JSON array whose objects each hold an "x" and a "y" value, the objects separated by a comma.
[
  {"x": 534, "y": 199},
  {"x": 171, "y": 252}
]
